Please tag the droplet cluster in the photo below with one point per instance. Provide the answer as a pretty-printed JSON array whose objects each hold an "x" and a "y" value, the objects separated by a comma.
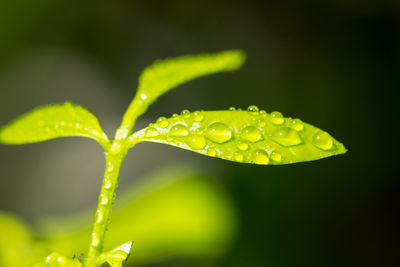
[{"x": 251, "y": 136}]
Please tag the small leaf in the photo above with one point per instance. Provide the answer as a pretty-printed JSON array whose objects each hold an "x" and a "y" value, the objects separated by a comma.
[
  {"x": 52, "y": 121},
  {"x": 117, "y": 256},
  {"x": 250, "y": 136},
  {"x": 164, "y": 75},
  {"x": 56, "y": 259}
]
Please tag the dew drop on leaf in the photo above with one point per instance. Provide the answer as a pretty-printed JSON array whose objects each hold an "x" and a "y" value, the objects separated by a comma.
[
  {"x": 275, "y": 156},
  {"x": 175, "y": 115},
  {"x": 277, "y": 118},
  {"x": 251, "y": 134},
  {"x": 261, "y": 123},
  {"x": 238, "y": 156},
  {"x": 253, "y": 110},
  {"x": 241, "y": 145},
  {"x": 197, "y": 116},
  {"x": 211, "y": 152},
  {"x": 179, "y": 130},
  {"x": 298, "y": 125},
  {"x": 232, "y": 109},
  {"x": 322, "y": 140},
  {"x": 286, "y": 136},
  {"x": 162, "y": 122},
  {"x": 185, "y": 113},
  {"x": 196, "y": 142},
  {"x": 151, "y": 132},
  {"x": 219, "y": 132},
  {"x": 261, "y": 157}
]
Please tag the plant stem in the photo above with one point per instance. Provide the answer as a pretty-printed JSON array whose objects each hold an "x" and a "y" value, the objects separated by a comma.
[{"x": 114, "y": 158}]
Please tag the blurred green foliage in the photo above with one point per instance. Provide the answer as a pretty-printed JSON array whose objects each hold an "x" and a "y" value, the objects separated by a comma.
[{"x": 175, "y": 211}]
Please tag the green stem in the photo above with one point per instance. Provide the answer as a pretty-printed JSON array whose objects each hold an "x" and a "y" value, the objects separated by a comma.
[{"x": 114, "y": 158}]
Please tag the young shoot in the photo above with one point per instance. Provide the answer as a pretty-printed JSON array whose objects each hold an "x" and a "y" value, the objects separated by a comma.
[{"x": 246, "y": 136}]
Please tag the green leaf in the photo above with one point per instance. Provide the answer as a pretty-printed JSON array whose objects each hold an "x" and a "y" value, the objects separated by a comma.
[
  {"x": 116, "y": 256},
  {"x": 167, "y": 74},
  {"x": 52, "y": 121},
  {"x": 250, "y": 136}
]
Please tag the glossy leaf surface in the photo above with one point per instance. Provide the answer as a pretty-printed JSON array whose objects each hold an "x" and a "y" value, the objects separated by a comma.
[
  {"x": 164, "y": 75},
  {"x": 250, "y": 136},
  {"x": 52, "y": 121}
]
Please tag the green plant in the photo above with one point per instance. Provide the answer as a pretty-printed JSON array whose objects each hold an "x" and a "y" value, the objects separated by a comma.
[{"x": 246, "y": 136}]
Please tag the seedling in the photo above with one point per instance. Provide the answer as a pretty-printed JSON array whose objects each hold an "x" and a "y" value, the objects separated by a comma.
[{"x": 245, "y": 136}]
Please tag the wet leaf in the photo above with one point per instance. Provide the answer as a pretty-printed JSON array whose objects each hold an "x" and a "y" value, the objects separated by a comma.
[
  {"x": 52, "y": 121},
  {"x": 250, "y": 136},
  {"x": 164, "y": 75}
]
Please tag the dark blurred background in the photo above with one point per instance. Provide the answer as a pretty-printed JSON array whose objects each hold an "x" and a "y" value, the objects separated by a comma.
[{"x": 334, "y": 64}]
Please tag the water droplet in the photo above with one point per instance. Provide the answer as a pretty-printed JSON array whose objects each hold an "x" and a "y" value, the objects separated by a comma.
[
  {"x": 107, "y": 184},
  {"x": 179, "y": 130},
  {"x": 94, "y": 132},
  {"x": 275, "y": 156},
  {"x": 242, "y": 145},
  {"x": 77, "y": 125},
  {"x": 95, "y": 240},
  {"x": 218, "y": 133},
  {"x": 232, "y": 109},
  {"x": 185, "y": 113},
  {"x": 286, "y": 136},
  {"x": 121, "y": 133},
  {"x": 211, "y": 152},
  {"x": 151, "y": 132},
  {"x": 277, "y": 118},
  {"x": 261, "y": 123},
  {"x": 48, "y": 258},
  {"x": 104, "y": 199},
  {"x": 197, "y": 142},
  {"x": 238, "y": 156},
  {"x": 59, "y": 259},
  {"x": 110, "y": 167},
  {"x": 143, "y": 96},
  {"x": 298, "y": 125},
  {"x": 251, "y": 134},
  {"x": 261, "y": 157},
  {"x": 175, "y": 115},
  {"x": 263, "y": 112},
  {"x": 99, "y": 216},
  {"x": 322, "y": 140},
  {"x": 198, "y": 116},
  {"x": 162, "y": 122},
  {"x": 253, "y": 110},
  {"x": 115, "y": 148}
]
